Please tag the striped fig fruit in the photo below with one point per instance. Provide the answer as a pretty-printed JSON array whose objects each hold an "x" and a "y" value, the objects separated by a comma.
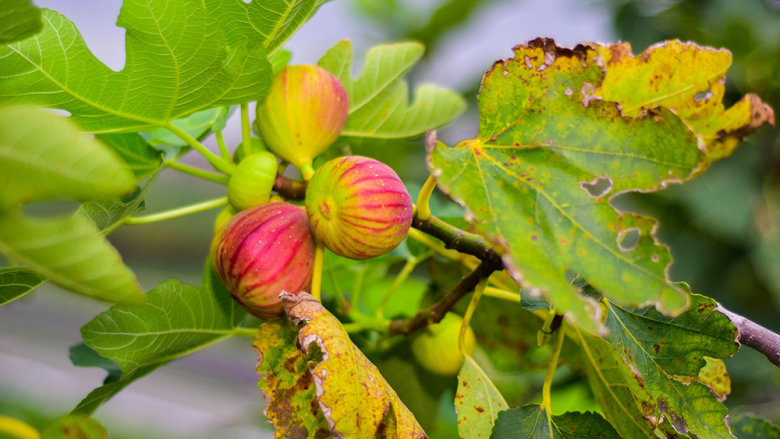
[
  {"x": 263, "y": 251},
  {"x": 358, "y": 207},
  {"x": 303, "y": 115}
]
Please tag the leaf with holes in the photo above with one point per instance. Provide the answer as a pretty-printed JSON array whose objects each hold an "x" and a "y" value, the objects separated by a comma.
[
  {"x": 477, "y": 401},
  {"x": 548, "y": 156},
  {"x": 531, "y": 422},
  {"x": 200, "y": 61},
  {"x": 688, "y": 79},
  {"x": 378, "y": 98},
  {"x": 633, "y": 370},
  {"x": 354, "y": 397}
]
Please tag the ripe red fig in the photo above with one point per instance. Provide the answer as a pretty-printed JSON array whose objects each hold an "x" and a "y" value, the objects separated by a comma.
[
  {"x": 263, "y": 251},
  {"x": 358, "y": 207},
  {"x": 303, "y": 114}
]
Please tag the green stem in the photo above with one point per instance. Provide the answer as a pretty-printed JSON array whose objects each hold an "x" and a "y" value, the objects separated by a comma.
[
  {"x": 556, "y": 353},
  {"x": 246, "y": 134},
  {"x": 223, "y": 150},
  {"x": 306, "y": 171},
  {"x": 196, "y": 172},
  {"x": 17, "y": 429},
  {"x": 316, "y": 277},
  {"x": 423, "y": 200},
  {"x": 478, "y": 290},
  {"x": 216, "y": 161},
  {"x": 178, "y": 212},
  {"x": 498, "y": 293},
  {"x": 411, "y": 263},
  {"x": 244, "y": 332}
]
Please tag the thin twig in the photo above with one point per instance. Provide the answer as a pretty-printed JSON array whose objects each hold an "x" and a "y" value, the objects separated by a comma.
[
  {"x": 436, "y": 312},
  {"x": 290, "y": 189},
  {"x": 754, "y": 335}
]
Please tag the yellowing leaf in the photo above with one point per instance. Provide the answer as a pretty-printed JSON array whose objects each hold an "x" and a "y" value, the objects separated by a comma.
[
  {"x": 354, "y": 397},
  {"x": 286, "y": 383},
  {"x": 688, "y": 79},
  {"x": 477, "y": 401}
]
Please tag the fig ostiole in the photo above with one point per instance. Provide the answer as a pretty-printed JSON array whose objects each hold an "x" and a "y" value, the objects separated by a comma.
[
  {"x": 252, "y": 181},
  {"x": 358, "y": 207},
  {"x": 263, "y": 251},
  {"x": 303, "y": 114},
  {"x": 436, "y": 347}
]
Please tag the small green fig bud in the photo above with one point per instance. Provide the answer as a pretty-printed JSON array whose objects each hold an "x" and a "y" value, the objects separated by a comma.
[
  {"x": 252, "y": 181},
  {"x": 303, "y": 115},
  {"x": 263, "y": 251},
  {"x": 358, "y": 207},
  {"x": 436, "y": 348},
  {"x": 223, "y": 217}
]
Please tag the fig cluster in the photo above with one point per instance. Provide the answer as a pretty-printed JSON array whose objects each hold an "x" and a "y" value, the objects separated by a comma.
[{"x": 356, "y": 207}]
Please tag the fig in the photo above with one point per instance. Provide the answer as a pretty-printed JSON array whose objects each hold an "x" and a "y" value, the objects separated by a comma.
[
  {"x": 263, "y": 251},
  {"x": 252, "y": 181},
  {"x": 436, "y": 348},
  {"x": 358, "y": 207},
  {"x": 304, "y": 113},
  {"x": 223, "y": 217}
]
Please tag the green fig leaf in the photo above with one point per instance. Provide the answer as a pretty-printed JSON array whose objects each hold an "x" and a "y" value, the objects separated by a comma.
[
  {"x": 379, "y": 104},
  {"x": 108, "y": 214},
  {"x": 44, "y": 156},
  {"x": 70, "y": 252},
  {"x": 19, "y": 19},
  {"x": 201, "y": 61},
  {"x": 176, "y": 320},
  {"x": 138, "y": 155},
  {"x": 15, "y": 282},
  {"x": 634, "y": 371},
  {"x": 531, "y": 422},
  {"x": 753, "y": 427},
  {"x": 477, "y": 401}
]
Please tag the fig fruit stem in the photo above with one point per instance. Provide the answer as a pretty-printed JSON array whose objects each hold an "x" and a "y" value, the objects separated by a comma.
[
  {"x": 478, "y": 290},
  {"x": 176, "y": 213},
  {"x": 18, "y": 429},
  {"x": 556, "y": 353},
  {"x": 306, "y": 170},
  {"x": 216, "y": 161},
  {"x": 223, "y": 150},
  {"x": 316, "y": 277},
  {"x": 423, "y": 212},
  {"x": 197, "y": 172},
  {"x": 246, "y": 135},
  {"x": 407, "y": 269},
  {"x": 502, "y": 294}
]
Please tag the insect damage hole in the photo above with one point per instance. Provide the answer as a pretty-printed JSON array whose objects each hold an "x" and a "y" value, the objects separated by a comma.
[
  {"x": 598, "y": 187},
  {"x": 628, "y": 239}
]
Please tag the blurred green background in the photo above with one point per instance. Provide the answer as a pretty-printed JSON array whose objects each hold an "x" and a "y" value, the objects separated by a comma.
[{"x": 723, "y": 228}]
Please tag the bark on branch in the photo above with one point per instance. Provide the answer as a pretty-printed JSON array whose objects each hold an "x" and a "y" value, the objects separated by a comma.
[{"x": 754, "y": 335}]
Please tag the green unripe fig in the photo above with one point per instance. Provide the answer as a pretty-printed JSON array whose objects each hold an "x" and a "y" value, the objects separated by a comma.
[
  {"x": 303, "y": 114},
  {"x": 252, "y": 181},
  {"x": 261, "y": 252},
  {"x": 358, "y": 207},
  {"x": 223, "y": 217},
  {"x": 436, "y": 348}
]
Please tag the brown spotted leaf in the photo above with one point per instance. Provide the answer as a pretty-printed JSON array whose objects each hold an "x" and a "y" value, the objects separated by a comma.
[
  {"x": 355, "y": 399},
  {"x": 532, "y": 422},
  {"x": 477, "y": 401},
  {"x": 688, "y": 79},
  {"x": 287, "y": 383}
]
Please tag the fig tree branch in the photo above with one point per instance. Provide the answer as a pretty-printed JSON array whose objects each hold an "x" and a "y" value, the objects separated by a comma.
[
  {"x": 290, "y": 189},
  {"x": 436, "y": 312},
  {"x": 754, "y": 335}
]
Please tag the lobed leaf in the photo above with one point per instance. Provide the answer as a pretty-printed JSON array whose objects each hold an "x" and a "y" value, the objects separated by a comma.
[
  {"x": 44, "y": 156},
  {"x": 531, "y": 422},
  {"x": 70, "y": 252},
  {"x": 15, "y": 282},
  {"x": 176, "y": 320},
  {"x": 536, "y": 180},
  {"x": 199, "y": 62},
  {"x": 19, "y": 19},
  {"x": 138, "y": 155},
  {"x": 286, "y": 383},
  {"x": 477, "y": 401},
  {"x": 378, "y": 98},
  {"x": 688, "y": 79},
  {"x": 630, "y": 370},
  {"x": 354, "y": 397}
]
